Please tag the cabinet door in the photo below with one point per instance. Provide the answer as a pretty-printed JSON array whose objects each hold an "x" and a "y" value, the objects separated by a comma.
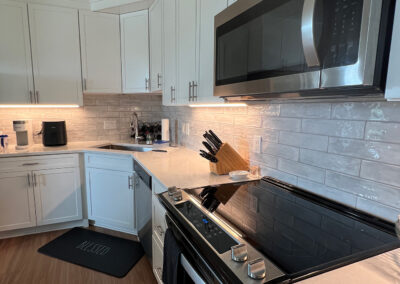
[
  {"x": 156, "y": 16},
  {"x": 207, "y": 10},
  {"x": 135, "y": 52},
  {"x": 186, "y": 49},
  {"x": 17, "y": 204},
  {"x": 56, "y": 54},
  {"x": 16, "y": 81},
  {"x": 58, "y": 195},
  {"x": 169, "y": 48},
  {"x": 101, "y": 52},
  {"x": 111, "y": 199}
]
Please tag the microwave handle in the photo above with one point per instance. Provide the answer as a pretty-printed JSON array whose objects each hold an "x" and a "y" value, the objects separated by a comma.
[{"x": 307, "y": 33}]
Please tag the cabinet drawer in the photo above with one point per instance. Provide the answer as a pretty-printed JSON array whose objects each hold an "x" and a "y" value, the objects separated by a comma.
[
  {"x": 159, "y": 223},
  {"x": 109, "y": 162},
  {"x": 158, "y": 257},
  {"x": 44, "y": 162}
]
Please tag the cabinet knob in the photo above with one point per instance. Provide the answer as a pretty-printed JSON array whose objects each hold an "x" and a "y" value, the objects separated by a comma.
[
  {"x": 256, "y": 269},
  {"x": 239, "y": 253}
]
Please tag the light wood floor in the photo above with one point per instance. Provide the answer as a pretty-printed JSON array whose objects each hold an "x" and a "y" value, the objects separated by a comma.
[{"x": 20, "y": 263}]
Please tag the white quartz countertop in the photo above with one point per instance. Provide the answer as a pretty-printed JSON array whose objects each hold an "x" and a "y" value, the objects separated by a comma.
[
  {"x": 178, "y": 167},
  {"x": 182, "y": 167}
]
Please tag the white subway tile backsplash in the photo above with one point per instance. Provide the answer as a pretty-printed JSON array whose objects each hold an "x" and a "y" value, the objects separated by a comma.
[
  {"x": 340, "y": 128},
  {"x": 384, "y": 173},
  {"x": 376, "y": 151},
  {"x": 103, "y": 117},
  {"x": 333, "y": 139},
  {"x": 328, "y": 161}
]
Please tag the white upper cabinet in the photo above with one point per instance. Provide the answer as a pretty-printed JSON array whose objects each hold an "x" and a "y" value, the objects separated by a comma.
[
  {"x": 170, "y": 53},
  {"x": 16, "y": 81},
  {"x": 135, "y": 52},
  {"x": 207, "y": 9},
  {"x": 156, "y": 20},
  {"x": 55, "y": 54},
  {"x": 101, "y": 52},
  {"x": 187, "y": 39}
]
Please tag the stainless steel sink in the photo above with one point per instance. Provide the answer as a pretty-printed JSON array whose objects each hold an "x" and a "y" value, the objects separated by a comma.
[{"x": 122, "y": 147}]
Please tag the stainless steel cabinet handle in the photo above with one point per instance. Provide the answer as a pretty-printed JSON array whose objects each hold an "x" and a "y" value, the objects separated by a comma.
[
  {"x": 159, "y": 271},
  {"x": 194, "y": 85},
  {"x": 172, "y": 94},
  {"x": 307, "y": 34},
  {"x": 37, "y": 97},
  {"x": 30, "y": 164},
  {"x": 31, "y": 96},
  {"x": 146, "y": 82},
  {"x": 130, "y": 185},
  {"x": 34, "y": 180},
  {"x": 84, "y": 85},
  {"x": 29, "y": 180},
  {"x": 158, "y": 80},
  {"x": 190, "y": 91}
]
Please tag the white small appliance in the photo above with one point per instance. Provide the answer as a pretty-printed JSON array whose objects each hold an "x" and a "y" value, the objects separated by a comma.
[{"x": 23, "y": 131}]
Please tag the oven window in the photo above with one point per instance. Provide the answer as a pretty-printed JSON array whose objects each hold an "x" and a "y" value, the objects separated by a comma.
[{"x": 263, "y": 42}]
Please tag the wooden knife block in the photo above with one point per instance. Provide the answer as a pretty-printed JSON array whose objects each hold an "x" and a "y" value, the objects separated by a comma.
[{"x": 228, "y": 160}]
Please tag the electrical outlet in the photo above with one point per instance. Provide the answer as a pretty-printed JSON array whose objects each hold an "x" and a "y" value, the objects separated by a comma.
[
  {"x": 110, "y": 124},
  {"x": 253, "y": 204},
  {"x": 184, "y": 128},
  {"x": 257, "y": 144},
  {"x": 187, "y": 128}
]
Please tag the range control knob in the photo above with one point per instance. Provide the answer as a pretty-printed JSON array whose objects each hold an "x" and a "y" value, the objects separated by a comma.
[
  {"x": 239, "y": 253},
  {"x": 172, "y": 190},
  {"x": 177, "y": 196},
  {"x": 256, "y": 269}
]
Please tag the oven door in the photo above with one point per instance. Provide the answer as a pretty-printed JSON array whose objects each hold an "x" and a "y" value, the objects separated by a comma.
[
  {"x": 191, "y": 260},
  {"x": 265, "y": 47}
]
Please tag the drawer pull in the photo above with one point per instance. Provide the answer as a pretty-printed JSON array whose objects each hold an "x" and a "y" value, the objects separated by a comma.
[
  {"x": 159, "y": 271},
  {"x": 30, "y": 164}
]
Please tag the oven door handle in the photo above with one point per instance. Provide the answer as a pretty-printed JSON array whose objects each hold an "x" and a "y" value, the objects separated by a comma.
[
  {"x": 308, "y": 34},
  {"x": 191, "y": 271}
]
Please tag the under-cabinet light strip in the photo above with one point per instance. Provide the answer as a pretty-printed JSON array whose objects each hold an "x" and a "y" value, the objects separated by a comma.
[{"x": 39, "y": 106}]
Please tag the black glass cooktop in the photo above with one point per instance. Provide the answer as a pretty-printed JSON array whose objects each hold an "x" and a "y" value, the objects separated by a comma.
[{"x": 297, "y": 230}]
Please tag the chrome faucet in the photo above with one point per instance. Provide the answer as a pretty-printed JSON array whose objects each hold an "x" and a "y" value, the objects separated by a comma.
[{"x": 135, "y": 127}]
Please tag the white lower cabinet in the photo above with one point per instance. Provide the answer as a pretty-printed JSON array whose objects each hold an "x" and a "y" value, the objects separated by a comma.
[
  {"x": 159, "y": 229},
  {"x": 111, "y": 192},
  {"x": 39, "y": 191},
  {"x": 58, "y": 195},
  {"x": 17, "y": 203},
  {"x": 111, "y": 199},
  {"x": 158, "y": 258}
]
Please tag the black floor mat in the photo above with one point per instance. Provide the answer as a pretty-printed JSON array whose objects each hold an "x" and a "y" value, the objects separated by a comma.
[{"x": 101, "y": 252}]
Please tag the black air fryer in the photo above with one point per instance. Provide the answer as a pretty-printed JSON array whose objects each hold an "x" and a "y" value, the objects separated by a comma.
[{"x": 54, "y": 133}]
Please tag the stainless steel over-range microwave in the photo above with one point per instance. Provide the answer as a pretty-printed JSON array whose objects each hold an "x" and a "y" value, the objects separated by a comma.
[{"x": 268, "y": 49}]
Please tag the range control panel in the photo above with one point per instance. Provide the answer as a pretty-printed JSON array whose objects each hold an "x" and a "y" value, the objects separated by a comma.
[{"x": 217, "y": 237}]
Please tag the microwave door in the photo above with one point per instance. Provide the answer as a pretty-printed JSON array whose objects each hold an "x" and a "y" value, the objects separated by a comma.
[
  {"x": 350, "y": 43},
  {"x": 259, "y": 49}
]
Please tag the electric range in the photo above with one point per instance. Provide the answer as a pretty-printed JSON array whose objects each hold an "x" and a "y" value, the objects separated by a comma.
[{"x": 269, "y": 231}]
